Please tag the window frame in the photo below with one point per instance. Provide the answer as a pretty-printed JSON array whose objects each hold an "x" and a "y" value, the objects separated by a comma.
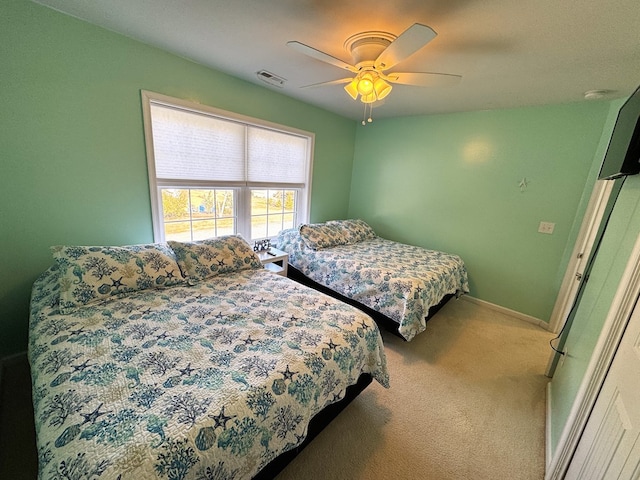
[{"x": 242, "y": 199}]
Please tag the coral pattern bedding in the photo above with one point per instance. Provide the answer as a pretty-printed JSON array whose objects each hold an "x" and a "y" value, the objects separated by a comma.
[
  {"x": 400, "y": 281},
  {"x": 202, "y": 379}
]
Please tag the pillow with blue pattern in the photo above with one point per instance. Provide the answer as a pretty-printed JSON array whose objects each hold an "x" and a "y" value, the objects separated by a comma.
[
  {"x": 335, "y": 232},
  {"x": 207, "y": 258},
  {"x": 88, "y": 274},
  {"x": 321, "y": 235},
  {"x": 354, "y": 230}
]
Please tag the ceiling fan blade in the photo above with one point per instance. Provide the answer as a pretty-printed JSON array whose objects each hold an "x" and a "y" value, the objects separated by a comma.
[
  {"x": 332, "y": 82},
  {"x": 318, "y": 55},
  {"x": 410, "y": 41},
  {"x": 424, "y": 79}
]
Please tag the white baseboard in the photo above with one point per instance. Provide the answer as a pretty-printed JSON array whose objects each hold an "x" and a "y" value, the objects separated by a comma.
[{"x": 507, "y": 311}]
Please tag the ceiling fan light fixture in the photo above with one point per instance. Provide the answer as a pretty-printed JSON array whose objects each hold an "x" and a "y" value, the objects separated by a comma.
[
  {"x": 381, "y": 88},
  {"x": 365, "y": 84},
  {"x": 352, "y": 88},
  {"x": 368, "y": 98}
]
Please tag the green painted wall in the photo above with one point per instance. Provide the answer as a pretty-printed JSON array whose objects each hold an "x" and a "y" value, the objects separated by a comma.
[
  {"x": 451, "y": 182},
  {"x": 73, "y": 160}
]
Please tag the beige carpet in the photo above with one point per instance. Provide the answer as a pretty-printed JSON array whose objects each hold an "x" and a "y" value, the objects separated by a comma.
[{"x": 467, "y": 401}]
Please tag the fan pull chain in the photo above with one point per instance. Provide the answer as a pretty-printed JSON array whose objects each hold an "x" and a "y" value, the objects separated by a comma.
[{"x": 366, "y": 120}]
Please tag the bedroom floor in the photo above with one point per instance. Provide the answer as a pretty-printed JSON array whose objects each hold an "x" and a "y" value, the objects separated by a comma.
[{"x": 467, "y": 400}]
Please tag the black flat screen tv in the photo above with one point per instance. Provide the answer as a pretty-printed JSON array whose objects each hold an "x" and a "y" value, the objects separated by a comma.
[{"x": 623, "y": 153}]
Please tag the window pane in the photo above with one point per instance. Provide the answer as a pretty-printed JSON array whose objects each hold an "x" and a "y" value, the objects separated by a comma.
[
  {"x": 275, "y": 201},
  {"x": 203, "y": 229},
  {"x": 203, "y": 203},
  {"x": 258, "y": 227},
  {"x": 288, "y": 221},
  {"x": 289, "y": 201},
  {"x": 259, "y": 202},
  {"x": 275, "y": 225},
  {"x": 226, "y": 226},
  {"x": 178, "y": 231},
  {"x": 224, "y": 203},
  {"x": 175, "y": 204}
]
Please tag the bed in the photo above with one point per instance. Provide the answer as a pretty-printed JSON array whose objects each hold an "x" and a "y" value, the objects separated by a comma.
[
  {"x": 403, "y": 283},
  {"x": 186, "y": 361}
]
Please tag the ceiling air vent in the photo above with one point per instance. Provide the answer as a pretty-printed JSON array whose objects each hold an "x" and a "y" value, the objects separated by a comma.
[{"x": 271, "y": 79}]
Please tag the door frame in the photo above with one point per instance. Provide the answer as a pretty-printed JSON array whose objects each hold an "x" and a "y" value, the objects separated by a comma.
[
  {"x": 624, "y": 302},
  {"x": 586, "y": 237}
]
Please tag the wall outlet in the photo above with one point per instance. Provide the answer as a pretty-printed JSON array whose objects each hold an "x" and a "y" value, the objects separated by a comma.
[{"x": 546, "y": 227}]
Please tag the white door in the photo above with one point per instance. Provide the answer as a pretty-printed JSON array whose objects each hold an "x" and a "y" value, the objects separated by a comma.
[{"x": 610, "y": 444}]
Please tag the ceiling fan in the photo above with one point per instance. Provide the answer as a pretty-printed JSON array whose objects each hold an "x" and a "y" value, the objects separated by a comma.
[{"x": 374, "y": 53}]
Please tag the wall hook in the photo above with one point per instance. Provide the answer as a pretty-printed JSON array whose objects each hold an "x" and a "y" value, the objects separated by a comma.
[{"x": 524, "y": 183}]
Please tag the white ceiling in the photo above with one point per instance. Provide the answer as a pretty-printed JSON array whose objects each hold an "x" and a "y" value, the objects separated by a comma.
[{"x": 510, "y": 53}]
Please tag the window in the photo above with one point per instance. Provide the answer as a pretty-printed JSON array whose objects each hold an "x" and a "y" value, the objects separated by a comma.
[
  {"x": 195, "y": 214},
  {"x": 215, "y": 173}
]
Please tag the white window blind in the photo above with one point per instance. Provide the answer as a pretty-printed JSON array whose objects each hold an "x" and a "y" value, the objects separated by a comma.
[
  {"x": 195, "y": 146},
  {"x": 189, "y": 145},
  {"x": 276, "y": 157}
]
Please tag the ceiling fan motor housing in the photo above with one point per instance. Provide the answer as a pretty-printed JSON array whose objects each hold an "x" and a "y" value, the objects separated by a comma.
[{"x": 365, "y": 47}]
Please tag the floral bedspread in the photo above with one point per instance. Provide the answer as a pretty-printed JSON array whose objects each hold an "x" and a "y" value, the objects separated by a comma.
[
  {"x": 398, "y": 280},
  {"x": 200, "y": 382}
]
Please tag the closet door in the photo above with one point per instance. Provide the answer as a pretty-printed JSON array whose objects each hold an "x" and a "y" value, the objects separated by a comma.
[{"x": 610, "y": 445}]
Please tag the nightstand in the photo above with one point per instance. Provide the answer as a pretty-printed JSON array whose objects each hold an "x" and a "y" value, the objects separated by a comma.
[{"x": 274, "y": 260}]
